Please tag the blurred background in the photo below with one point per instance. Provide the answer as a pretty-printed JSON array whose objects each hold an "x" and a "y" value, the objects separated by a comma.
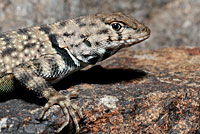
[{"x": 173, "y": 23}]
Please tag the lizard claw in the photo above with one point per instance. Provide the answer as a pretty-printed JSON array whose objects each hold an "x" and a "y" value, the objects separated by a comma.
[{"x": 67, "y": 107}]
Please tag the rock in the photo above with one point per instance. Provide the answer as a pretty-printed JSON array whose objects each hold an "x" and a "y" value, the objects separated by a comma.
[
  {"x": 16, "y": 14},
  {"x": 143, "y": 91},
  {"x": 154, "y": 91},
  {"x": 176, "y": 24},
  {"x": 173, "y": 22}
]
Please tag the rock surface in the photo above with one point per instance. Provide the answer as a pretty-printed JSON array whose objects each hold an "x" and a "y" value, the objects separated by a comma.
[
  {"x": 135, "y": 91},
  {"x": 153, "y": 91},
  {"x": 172, "y": 22}
]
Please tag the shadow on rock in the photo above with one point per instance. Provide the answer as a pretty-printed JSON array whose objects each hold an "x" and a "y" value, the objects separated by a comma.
[
  {"x": 20, "y": 92},
  {"x": 94, "y": 75},
  {"x": 99, "y": 75}
]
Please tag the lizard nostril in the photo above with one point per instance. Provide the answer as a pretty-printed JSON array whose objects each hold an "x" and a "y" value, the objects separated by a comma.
[
  {"x": 143, "y": 29},
  {"x": 147, "y": 30}
]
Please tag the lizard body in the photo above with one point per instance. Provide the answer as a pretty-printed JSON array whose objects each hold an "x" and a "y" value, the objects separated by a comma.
[{"x": 39, "y": 56}]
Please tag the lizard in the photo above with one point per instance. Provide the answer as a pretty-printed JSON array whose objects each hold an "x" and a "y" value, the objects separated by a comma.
[{"x": 39, "y": 56}]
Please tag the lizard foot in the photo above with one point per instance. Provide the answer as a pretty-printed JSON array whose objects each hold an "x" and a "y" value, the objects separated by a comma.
[{"x": 67, "y": 107}]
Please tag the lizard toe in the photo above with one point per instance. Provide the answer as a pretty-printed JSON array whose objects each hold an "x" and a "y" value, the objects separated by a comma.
[
  {"x": 69, "y": 109},
  {"x": 65, "y": 111}
]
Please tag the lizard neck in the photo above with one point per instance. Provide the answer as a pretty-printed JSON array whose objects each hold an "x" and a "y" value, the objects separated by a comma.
[{"x": 70, "y": 65}]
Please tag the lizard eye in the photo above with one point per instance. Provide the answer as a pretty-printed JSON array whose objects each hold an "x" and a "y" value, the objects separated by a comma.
[{"x": 116, "y": 26}]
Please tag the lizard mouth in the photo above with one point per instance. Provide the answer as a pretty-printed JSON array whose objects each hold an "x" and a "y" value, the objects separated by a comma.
[
  {"x": 122, "y": 44},
  {"x": 137, "y": 40},
  {"x": 129, "y": 42},
  {"x": 145, "y": 34}
]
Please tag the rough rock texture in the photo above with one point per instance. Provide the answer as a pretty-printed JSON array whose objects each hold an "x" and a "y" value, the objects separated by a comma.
[
  {"x": 139, "y": 91},
  {"x": 176, "y": 24},
  {"x": 173, "y": 22},
  {"x": 22, "y": 13},
  {"x": 132, "y": 92}
]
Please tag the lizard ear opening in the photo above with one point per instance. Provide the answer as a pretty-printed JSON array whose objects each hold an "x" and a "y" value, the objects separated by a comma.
[
  {"x": 92, "y": 59},
  {"x": 87, "y": 43}
]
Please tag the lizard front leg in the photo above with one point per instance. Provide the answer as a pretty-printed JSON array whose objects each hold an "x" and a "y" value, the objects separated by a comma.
[
  {"x": 26, "y": 75},
  {"x": 64, "y": 102}
]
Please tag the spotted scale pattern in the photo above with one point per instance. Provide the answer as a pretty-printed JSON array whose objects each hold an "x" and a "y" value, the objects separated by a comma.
[
  {"x": 39, "y": 56},
  {"x": 20, "y": 46}
]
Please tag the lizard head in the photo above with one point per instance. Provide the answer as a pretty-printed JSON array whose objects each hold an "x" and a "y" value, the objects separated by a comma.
[{"x": 100, "y": 36}]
